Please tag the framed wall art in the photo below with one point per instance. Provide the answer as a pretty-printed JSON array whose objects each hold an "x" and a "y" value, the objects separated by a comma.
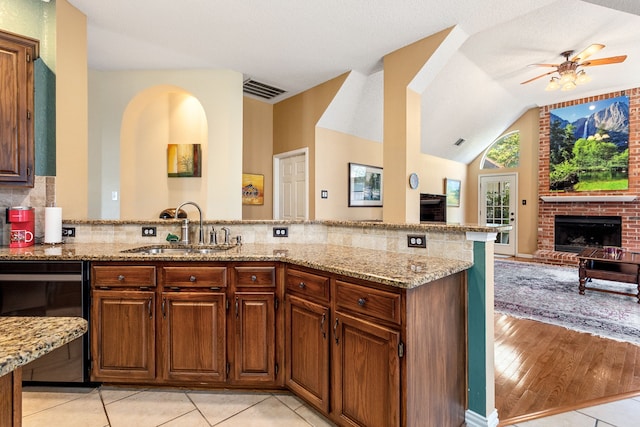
[
  {"x": 365, "y": 185},
  {"x": 252, "y": 189},
  {"x": 184, "y": 160},
  {"x": 452, "y": 190}
]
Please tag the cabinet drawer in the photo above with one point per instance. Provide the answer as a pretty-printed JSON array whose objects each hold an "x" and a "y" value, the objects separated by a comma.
[
  {"x": 256, "y": 276},
  {"x": 194, "y": 277},
  {"x": 372, "y": 302},
  {"x": 307, "y": 284},
  {"x": 123, "y": 276}
]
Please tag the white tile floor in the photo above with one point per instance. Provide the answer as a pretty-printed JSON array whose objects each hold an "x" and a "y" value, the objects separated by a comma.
[{"x": 122, "y": 407}]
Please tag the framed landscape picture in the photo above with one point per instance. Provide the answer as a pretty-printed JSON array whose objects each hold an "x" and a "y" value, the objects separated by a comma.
[
  {"x": 365, "y": 185},
  {"x": 589, "y": 146},
  {"x": 452, "y": 190}
]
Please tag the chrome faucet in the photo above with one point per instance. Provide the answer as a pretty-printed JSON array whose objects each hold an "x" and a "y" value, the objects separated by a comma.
[
  {"x": 185, "y": 227},
  {"x": 227, "y": 234}
]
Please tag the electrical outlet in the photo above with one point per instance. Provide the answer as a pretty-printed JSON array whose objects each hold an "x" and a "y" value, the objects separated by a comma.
[
  {"x": 68, "y": 232},
  {"x": 416, "y": 240},
  {"x": 149, "y": 232},
  {"x": 280, "y": 231}
]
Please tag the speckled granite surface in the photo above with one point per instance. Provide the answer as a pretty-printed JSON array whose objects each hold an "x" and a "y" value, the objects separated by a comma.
[
  {"x": 24, "y": 339},
  {"x": 386, "y": 267}
]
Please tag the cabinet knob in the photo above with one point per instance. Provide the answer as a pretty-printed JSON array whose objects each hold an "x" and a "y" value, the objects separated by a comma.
[
  {"x": 253, "y": 278},
  {"x": 361, "y": 302},
  {"x": 302, "y": 285},
  {"x": 192, "y": 278},
  {"x": 120, "y": 278}
]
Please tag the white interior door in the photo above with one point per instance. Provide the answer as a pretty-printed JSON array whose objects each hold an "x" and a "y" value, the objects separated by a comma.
[
  {"x": 291, "y": 187},
  {"x": 498, "y": 197}
]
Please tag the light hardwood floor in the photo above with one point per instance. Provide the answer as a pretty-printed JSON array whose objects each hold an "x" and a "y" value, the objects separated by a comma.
[{"x": 544, "y": 369}]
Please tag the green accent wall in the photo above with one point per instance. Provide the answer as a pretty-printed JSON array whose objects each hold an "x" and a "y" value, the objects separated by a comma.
[
  {"x": 37, "y": 19},
  {"x": 477, "y": 331}
]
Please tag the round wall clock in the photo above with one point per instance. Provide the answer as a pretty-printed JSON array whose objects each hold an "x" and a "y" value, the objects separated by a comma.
[{"x": 414, "y": 181}]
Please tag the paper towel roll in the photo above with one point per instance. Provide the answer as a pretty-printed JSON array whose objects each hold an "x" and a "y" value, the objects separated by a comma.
[{"x": 52, "y": 225}]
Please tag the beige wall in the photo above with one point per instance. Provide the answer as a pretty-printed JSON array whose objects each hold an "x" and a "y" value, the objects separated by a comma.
[
  {"x": 527, "y": 215},
  {"x": 257, "y": 153},
  {"x": 71, "y": 111},
  {"x": 334, "y": 151},
  {"x": 218, "y": 92},
  {"x": 433, "y": 171},
  {"x": 294, "y": 125}
]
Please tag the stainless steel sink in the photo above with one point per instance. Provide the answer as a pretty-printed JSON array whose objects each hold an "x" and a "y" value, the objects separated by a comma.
[{"x": 178, "y": 250}]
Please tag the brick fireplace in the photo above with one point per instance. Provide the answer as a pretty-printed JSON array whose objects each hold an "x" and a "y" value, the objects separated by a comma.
[{"x": 625, "y": 204}]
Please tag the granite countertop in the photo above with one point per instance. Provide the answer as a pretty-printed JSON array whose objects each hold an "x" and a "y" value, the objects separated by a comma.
[
  {"x": 385, "y": 267},
  {"x": 24, "y": 339}
]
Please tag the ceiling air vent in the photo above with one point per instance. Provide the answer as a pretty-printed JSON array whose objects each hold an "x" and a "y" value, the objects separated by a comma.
[{"x": 261, "y": 90}]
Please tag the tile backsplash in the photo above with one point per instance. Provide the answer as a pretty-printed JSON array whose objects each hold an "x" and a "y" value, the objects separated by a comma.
[{"x": 41, "y": 195}]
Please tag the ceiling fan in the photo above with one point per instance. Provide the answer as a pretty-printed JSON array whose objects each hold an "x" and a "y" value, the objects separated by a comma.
[{"x": 569, "y": 74}]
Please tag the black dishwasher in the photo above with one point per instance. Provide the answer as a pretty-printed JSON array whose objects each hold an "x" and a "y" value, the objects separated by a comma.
[{"x": 49, "y": 289}]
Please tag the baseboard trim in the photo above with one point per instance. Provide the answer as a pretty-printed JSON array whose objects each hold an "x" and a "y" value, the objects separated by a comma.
[{"x": 475, "y": 420}]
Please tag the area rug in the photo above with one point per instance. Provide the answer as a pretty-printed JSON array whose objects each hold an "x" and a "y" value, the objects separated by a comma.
[{"x": 549, "y": 294}]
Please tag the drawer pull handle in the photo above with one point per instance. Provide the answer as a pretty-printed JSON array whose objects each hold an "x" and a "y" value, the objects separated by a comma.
[
  {"x": 361, "y": 302},
  {"x": 121, "y": 278},
  {"x": 192, "y": 278},
  {"x": 302, "y": 285},
  {"x": 335, "y": 331},
  {"x": 253, "y": 278}
]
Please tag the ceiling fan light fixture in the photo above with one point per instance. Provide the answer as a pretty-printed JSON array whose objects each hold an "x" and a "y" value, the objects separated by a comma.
[
  {"x": 568, "y": 86},
  {"x": 582, "y": 77},
  {"x": 567, "y": 77},
  {"x": 553, "y": 84}
]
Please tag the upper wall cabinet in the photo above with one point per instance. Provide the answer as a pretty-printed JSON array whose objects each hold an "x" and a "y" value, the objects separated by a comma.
[{"x": 17, "y": 54}]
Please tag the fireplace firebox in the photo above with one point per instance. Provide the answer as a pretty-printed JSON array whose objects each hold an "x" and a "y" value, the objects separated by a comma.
[{"x": 574, "y": 233}]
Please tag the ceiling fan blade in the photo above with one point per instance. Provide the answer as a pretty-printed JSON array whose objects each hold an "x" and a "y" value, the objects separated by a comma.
[
  {"x": 539, "y": 77},
  {"x": 544, "y": 65},
  {"x": 587, "y": 52},
  {"x": 604, "y": 61}
]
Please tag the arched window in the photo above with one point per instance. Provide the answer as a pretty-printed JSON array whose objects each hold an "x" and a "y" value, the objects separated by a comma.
[{"x": 503, "y": 153}]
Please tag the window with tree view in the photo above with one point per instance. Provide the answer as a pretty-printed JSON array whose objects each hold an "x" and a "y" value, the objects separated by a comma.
[{"x": 503, "y": 153}]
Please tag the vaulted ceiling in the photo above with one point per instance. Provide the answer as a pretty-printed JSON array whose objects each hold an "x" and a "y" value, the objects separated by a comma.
[{"x": 471, "y": 87}]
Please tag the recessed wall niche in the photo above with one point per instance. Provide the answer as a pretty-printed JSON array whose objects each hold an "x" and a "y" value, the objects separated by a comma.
[{"x": 157, "y": 117}]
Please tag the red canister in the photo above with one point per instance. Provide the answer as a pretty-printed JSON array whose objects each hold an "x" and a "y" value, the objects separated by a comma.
[{"x": 22, "y": 220}]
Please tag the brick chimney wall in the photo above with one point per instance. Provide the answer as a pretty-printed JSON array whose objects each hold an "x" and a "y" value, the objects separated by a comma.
[{"x": 629, "y": 211}]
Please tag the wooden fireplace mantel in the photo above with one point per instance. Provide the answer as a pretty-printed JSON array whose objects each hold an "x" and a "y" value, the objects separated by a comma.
[{"x": 570, "y": 199}]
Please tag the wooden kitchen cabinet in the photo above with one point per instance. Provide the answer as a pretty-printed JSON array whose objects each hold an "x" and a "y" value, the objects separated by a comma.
[
  {"x": 17, "y": 54},
  {"x": 123, "y": 335},
  {"x": 307, "y": 333},
  {"x": 255, "y": 299},
  {"x": 192, "y": 332},
  {"x": 366, "y": 372},
  {"x": 193, "y": 336},
  {"x": 307, "y": 350}
]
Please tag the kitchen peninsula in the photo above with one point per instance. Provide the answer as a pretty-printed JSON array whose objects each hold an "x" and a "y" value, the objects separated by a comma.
[
  {"x": 22, "y": 340},
  {"x": 353, "y": 291}
]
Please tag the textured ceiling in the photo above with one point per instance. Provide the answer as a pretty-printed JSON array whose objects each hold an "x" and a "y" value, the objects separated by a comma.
[{"x": 471, "y": 90}]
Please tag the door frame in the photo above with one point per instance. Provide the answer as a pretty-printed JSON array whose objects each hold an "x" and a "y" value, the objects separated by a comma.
[
  {"x": 277, "y": 158},
  {"x": 512, "y": 196}
]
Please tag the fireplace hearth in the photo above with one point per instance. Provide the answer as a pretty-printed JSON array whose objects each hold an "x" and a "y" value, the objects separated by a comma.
[{"x": 574, "y": 233}]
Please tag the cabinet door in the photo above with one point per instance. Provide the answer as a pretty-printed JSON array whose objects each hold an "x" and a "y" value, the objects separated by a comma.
[
  {"x": 123, "y": 335},
  {"x": 366, "y": 373},
  {"x": 307, "y": 350},
  {"x": 254, "y": 337},
  {"x": 16, "y": 109},
  {"x": 193, "y": 336}
]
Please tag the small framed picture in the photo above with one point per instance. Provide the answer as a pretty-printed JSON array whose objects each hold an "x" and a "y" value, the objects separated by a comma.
[
  {"x": 365, "y": 185},
  {"x": 452, "y": 190}
]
